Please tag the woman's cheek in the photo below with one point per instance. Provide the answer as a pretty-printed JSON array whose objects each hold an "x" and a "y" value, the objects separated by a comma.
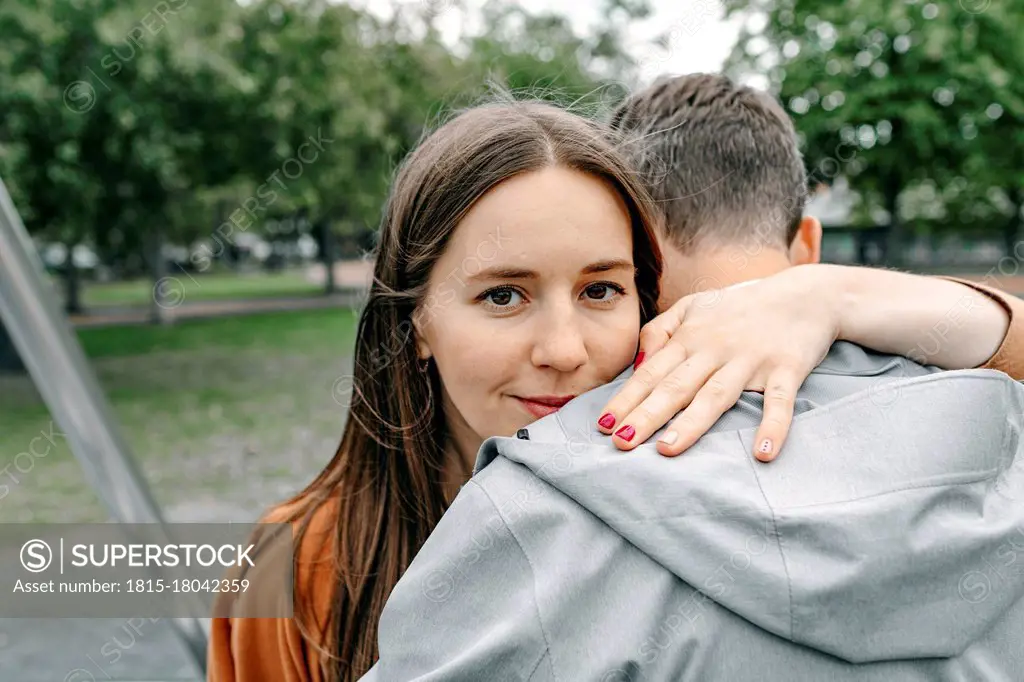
[
  {"x": 477, "y": 367},
  {"x": 618, "y": 342},
  {"x": 477, "y": 397}
]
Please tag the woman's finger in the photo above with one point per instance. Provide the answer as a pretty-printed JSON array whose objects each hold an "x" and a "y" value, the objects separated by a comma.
[
  {"x": 717, "y": 396},
  {"x": 671, "y": 394},
  {"x": 637, "y": 387},
  {"x": 656, "y": 334},
  {"x": 779, "y": 399}
]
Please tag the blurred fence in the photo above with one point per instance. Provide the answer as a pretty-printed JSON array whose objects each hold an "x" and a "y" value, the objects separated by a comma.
[{"x": 870, "y": 246}]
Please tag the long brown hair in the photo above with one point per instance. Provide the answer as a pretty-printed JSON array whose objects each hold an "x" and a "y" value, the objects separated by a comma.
[{"x": 386, "y": 476}]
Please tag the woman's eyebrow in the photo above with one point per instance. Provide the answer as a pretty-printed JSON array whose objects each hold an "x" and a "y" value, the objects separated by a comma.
[
  {"x": 606, "y": 265},
  {"x": 499, "y": 272}
]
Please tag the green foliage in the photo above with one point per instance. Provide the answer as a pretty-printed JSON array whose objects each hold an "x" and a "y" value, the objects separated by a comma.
[
  {"x": 127, "y": 123},
  {"x": 913, "y": 101}
]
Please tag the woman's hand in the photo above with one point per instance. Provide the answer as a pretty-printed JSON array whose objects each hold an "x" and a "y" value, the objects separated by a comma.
[{"x": 709, "y": 347}]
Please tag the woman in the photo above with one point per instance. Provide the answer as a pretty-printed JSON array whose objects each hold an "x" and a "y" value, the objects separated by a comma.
[{"x": 515, "y": 268}]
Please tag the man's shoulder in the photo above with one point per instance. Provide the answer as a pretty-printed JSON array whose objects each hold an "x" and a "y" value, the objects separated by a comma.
[{"x": 507, "y": 483}]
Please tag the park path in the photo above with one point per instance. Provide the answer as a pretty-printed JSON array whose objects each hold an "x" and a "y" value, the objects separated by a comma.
[
  {"x": 352, "y": 278},
  {"x": 128, "y": 315}
]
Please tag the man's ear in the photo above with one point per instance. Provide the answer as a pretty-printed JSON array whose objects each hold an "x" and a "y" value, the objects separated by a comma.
[{"x": 806, "y": 246}]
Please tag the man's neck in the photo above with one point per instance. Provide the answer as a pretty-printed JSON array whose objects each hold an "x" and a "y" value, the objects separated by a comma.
[{"x": 688, "y": 274}]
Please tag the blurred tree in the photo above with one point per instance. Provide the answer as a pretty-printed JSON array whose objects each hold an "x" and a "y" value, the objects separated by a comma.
[
  {"x": 364, "y": 89},
  {"x": 542, "y": 55},
  {"x": 119, "y": 105},
  {"x": 335, "y": 99},
  {"x": 129, "y": 125},
  {"x": 115, "y": 104},
  {"x": 896, "y": 94}
]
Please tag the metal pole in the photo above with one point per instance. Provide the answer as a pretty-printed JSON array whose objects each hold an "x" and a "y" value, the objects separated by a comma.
[{"x": 60, "y": 370}]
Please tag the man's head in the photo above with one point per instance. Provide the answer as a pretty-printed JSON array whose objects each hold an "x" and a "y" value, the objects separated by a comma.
[{"x": 721, "y": 160}]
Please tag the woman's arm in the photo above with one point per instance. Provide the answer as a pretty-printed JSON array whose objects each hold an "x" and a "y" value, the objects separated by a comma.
[
  {"x": 1009, "y": 357},
  {"x": 705, "y": 350},
  {"x": 933, "y": 321}
]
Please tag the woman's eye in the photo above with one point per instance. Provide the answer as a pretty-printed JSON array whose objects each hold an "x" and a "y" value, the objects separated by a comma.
[
  {"x": 501, "y": 298},
  {"x": 603, "y": 291}
]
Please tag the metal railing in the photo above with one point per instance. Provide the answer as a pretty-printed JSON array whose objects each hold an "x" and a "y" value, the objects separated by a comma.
[{"x": 58, "y": 366}]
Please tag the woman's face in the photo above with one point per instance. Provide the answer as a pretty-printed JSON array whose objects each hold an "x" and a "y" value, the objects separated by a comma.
[{"x": 533, "y": 303}]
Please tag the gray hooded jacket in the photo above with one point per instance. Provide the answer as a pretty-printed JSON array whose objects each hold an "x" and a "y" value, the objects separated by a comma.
[{"x": 885, "y": 543}]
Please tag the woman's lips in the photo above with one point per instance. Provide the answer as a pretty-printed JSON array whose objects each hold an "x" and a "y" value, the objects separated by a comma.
[{"x": 538, "y": 409}]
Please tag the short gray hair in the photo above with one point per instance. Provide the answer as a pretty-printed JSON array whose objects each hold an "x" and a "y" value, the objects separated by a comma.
[{"x": 721, "y": 159}]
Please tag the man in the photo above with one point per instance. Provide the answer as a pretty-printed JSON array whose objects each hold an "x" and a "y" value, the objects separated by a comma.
[
  {"x": 722, "y": 162},
  {"x": 883, "y": 546}
]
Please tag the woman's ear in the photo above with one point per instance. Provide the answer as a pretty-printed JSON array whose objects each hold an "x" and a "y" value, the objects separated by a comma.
[
  {"x": 422, "y": 347},
  {"x": 806, "y": 246}
]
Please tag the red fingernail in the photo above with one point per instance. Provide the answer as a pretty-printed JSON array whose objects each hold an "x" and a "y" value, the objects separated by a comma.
[
  {"x": 626, "y": 433},
  {"x": 639, "y": 359},
  {"x": 607, "y": 420}
]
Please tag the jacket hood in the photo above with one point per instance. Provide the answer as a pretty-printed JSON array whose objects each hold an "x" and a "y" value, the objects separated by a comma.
[{"x": 881, "y": 532}]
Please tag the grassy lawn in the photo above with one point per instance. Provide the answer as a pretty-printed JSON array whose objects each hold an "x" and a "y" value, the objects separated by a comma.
[
  {"x": 282, "y": 332},
  {"x": 202, "y": 288},
  {"x": 224, "y": 416}
]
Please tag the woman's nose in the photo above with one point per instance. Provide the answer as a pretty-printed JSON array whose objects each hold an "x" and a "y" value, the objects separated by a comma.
[{"x": 559, "y": 341}]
